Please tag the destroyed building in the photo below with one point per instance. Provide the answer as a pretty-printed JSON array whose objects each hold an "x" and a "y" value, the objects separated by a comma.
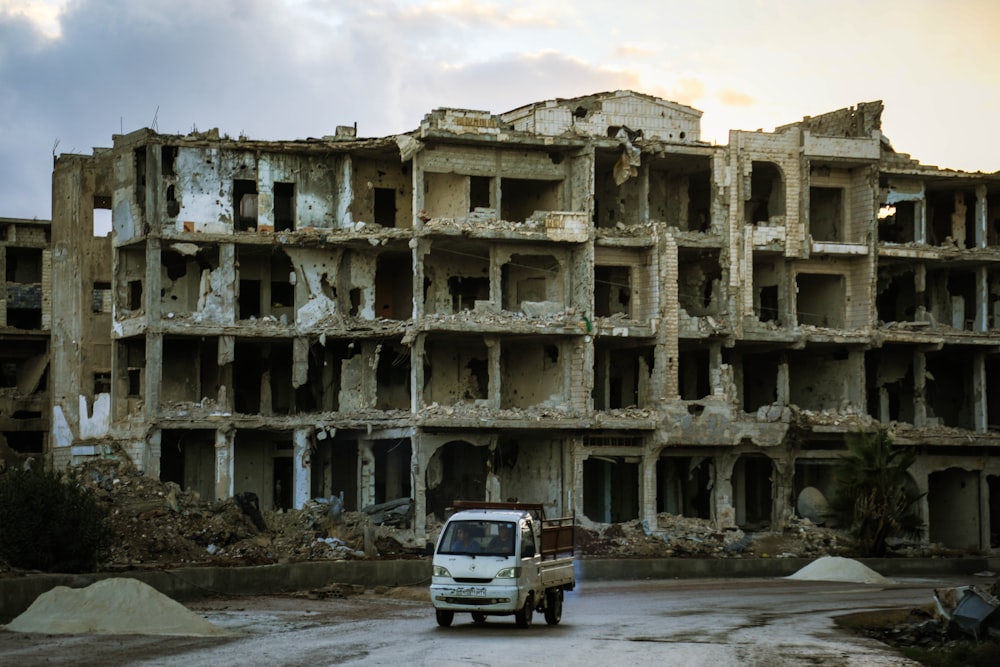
[
  {"x": 577, "y": 303},
  {"x": 25, "y": 320}
]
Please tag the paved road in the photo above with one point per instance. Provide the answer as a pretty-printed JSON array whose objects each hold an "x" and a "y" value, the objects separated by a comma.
[{"x": 682, "y": 622}]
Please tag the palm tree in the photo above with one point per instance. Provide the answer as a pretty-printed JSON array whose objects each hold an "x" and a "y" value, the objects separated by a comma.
[{"x": 871, "y": 497}]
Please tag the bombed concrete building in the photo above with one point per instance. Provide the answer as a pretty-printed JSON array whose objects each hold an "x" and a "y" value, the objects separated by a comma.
[
  {"x": 577, "y": 302},
  {"x": 25, "y": 320}
]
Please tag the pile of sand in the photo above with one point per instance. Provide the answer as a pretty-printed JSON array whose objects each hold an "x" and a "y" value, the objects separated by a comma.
[
  {"x": 835, "y": 568},
  {"x": 112, "y": 606}
]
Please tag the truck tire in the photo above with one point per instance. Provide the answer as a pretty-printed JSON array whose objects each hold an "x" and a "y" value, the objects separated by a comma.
[
  {"x": 553, "y": 606},
  {"x": 478, "y": 617},
  {"x": 444, "y": 618},
  {"x": 523, "y": 615}
]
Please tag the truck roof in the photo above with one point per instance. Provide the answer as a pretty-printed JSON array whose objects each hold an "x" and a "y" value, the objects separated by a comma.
[{"x": 489, "y": 515}]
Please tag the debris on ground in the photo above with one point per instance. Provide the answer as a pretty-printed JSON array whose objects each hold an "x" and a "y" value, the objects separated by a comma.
[
  {"x": 117, "y": 606},
  {"x": 837, "y": 568},
  {"x": 690, "y": 537},
  {"x": 158, "y": 525},
  {"x": 958, "y": 627},
  {"x": 970, "y": 609}
]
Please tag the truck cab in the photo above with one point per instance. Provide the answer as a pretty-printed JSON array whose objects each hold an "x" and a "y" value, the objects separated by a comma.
[{"x": 501, "y": 559}]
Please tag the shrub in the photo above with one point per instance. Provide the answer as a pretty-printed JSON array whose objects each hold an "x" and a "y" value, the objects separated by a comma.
[
  {"x": 51, "y": 523},
  {"x": 871, "y": 498}
]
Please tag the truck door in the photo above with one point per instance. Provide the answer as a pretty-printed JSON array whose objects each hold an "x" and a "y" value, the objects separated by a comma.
[{"x": 531, "y": 559}]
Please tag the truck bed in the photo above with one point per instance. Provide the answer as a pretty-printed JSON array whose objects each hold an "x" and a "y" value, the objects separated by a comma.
[{"x": 558, "y": 573}]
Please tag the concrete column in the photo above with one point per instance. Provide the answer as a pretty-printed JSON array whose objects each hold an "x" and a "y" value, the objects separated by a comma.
[
  {"x": 301, "y": 467},
  {"x": 418, "y": 195},
  {"x": 782, "y": 488},
  {"x": 647, "y": 488},
  {"x": 154, "y": 282},
  {"x": 919, "y": 386},
  {"x": 783, "y": 388},
  {"x": 883, "y": 405},
  {"x": 981, "y": 229},
  {"x": 418, "y": 483},
  {"x": 644, "y": 193},
  {"x": 984, "y": 510},
  {"x": 577, "y": 458},
  {"x": 494, "y": 491},
  {"x": 300, "y": 361},
  {"x": 980, "y": 409},
  {"x": 226, "y": 357},
  {"x": 225, "y": 455},
  {"x": 716, "y": 384},
  {"x": 920, "y": 474},
  {"x": 920, "y": 221},
  {"x": 572, "y": 479},
  {"x": 723, "y": 507},
  {"x": 366, "y": 473},
  {"x": 154, "y": 375},
  {"x": 981, "y": 323},
  {"x": 493, "y": 364},
  {"x": 856, "y": 380},
  {"x": 227, "y": 264},
  {"x": 150, "y": 461}
]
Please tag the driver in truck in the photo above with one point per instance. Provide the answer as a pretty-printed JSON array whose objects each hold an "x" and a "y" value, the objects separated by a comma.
[
  {"x": 463, "y": 541},
  {"x": 503, "y": 542}
]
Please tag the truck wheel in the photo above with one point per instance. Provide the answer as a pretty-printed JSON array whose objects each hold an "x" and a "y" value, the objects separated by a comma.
[
  {"x": 444, "y": 618},
  {"x": 553, "y": 606},
  {"x": 478, "y": 617},
  {"x": 523, "y": 615}
]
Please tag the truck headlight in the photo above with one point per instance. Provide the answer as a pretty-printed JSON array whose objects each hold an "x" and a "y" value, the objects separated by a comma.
[
  {"x": 440, "y": 571},
  {"x": 508, "y": 573}
]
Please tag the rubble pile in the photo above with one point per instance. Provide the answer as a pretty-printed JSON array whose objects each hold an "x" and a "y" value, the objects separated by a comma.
[
  {"x": 156, "y": 524},
  {"x": 959, "y": 626},
  {"x": 678, "y": 536}
]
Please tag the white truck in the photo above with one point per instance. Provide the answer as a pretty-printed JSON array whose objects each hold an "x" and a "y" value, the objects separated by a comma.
[{"x": 498, "y": 559}]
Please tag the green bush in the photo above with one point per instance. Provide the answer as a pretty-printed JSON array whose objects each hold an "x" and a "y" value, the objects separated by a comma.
[
  {"x": 51, "y": 523},
  {"x": 872, "y": 498}
]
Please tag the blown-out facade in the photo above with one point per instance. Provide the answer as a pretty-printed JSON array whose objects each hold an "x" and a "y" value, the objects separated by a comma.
[{"x": 577, "y": 303}]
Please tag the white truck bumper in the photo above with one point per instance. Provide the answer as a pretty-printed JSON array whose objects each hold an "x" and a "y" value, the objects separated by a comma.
[{"x": 476, "y": 597}]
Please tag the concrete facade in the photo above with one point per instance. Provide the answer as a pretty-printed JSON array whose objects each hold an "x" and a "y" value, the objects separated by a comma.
[
  {"x": 25, "y": 324},
  {"x": 577, "y": 303}
]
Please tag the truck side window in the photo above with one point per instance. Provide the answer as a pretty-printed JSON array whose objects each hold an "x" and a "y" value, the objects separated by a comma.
[{"x": 527, "y": 541}]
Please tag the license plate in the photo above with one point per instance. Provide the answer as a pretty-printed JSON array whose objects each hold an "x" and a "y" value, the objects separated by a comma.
[{"x": 468, "y": 591}]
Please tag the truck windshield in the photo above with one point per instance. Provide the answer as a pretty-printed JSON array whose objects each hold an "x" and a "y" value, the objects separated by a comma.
[{"x": 487, "y": 538}]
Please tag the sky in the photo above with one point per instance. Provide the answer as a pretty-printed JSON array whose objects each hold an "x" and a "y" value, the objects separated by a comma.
[{"x": 75, "y": 72}]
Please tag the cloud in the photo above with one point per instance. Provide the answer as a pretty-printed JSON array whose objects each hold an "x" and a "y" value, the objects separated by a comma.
[
  {"x": 267, "y": 69},
  {"x": 42, "y": 15},
  {"x": 734, "y": 98},
  {"x": 686, "y": 90},
  {"x": 633, "y": 50},
  {"x": 485, "y": 15}
]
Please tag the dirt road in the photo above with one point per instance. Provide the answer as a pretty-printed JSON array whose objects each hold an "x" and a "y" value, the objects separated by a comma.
[{"x": 689, "y": 622}]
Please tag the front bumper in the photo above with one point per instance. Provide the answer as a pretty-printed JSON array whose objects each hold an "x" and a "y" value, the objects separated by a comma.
[{"x": 473, "y": 597}]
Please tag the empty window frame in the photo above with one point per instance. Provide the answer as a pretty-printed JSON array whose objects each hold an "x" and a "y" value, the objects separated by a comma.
[
  {"x": 244, "y": 205},
  {"x": 766, "y": 199},
  {"x": 284, "y": 207},
  {"x": 384, "y": 212},
  {"x": 521, "y": 197},
  {"x": 612, "y": 291},
  {"x": 821, "y": 300}
]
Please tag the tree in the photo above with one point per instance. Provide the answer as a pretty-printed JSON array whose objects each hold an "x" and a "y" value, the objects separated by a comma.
[
  {"x": 871, "y": 496},
  {"x": 52, "y": 523}
]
